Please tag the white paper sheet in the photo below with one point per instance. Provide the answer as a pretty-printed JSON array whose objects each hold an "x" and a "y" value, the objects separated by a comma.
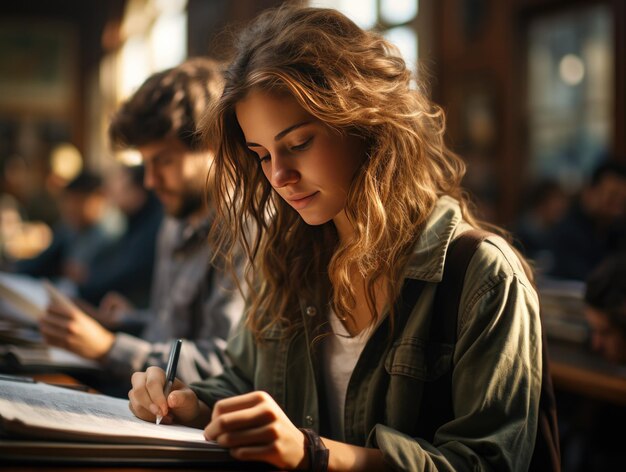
[{"x": 86, "y": 416}]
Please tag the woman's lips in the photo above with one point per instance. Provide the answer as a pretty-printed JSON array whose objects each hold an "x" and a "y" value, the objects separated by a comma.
[{"x": 301, "y": 203}]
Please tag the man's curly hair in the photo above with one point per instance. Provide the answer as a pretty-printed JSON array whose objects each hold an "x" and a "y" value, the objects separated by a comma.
[{"x": 169, "y": 103}]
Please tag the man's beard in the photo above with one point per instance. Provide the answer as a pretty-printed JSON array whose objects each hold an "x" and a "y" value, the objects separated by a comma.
[{"x": 190, "y": 203}]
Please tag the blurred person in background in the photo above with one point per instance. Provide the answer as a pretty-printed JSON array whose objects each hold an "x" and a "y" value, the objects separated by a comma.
[
  {"x": 191, "y": 297},
  {"x": 605, "y": 310},
  {"x": 547, "y": 204},
  {"x": 594, "y": 226},
  {"x": 587, "y": 425},
  {"x": 29, "y": 182},
  {"x": 78, "y": 238},
  {"x": 126, "y": 266}
]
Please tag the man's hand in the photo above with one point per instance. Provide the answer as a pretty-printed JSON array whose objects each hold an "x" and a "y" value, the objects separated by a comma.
[
  {"x": 112, "y": 307},
  {"x": 74, "y": 330}
]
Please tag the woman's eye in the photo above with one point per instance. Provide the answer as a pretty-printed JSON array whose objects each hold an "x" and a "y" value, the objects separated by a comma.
[
  {"x": 303, "y": 146},
  {"x": 264, "y": 158}
]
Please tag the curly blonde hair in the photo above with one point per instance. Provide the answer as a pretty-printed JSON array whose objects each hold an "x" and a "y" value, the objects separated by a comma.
[{"x": 354, "y": 82}]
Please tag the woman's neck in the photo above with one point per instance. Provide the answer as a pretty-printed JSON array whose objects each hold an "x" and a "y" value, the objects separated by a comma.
[
  {"x": 364, "y": 314},
  {"x": 345, "y": 230}
]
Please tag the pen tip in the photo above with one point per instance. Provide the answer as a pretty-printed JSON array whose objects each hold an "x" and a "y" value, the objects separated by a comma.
[{"x": 158, "y": 419}]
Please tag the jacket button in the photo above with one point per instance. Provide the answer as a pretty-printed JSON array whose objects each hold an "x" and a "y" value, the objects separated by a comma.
[
  {"x": 309, "y": 420},
  {"x": 311, "y": 311}
]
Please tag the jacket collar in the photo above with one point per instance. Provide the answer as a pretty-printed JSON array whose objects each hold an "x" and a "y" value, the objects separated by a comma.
[
  {"x": 429, "y": 253},
  {"x": 425, "y": 262}
]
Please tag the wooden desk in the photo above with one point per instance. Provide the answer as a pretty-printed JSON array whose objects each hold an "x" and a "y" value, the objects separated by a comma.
[
  {"x": 577, "y": 370},
  {"x": 62, "y": 380}
]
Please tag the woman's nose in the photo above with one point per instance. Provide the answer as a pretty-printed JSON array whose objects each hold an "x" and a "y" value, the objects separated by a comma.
[{"x": 283, "y": 174}]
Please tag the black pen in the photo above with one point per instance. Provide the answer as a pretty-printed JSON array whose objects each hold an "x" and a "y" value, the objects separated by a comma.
[{"x": 170, "y": 372}]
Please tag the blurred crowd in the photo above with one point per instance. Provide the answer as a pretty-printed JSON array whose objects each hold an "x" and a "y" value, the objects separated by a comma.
[
  {"x": 568, "y": 237},
  {"x": 584, "y": 238},
  {"x": 92, "y": 235}
]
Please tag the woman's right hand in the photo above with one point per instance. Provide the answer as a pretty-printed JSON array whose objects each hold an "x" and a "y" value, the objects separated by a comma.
[{"x": 181, "y": 406}]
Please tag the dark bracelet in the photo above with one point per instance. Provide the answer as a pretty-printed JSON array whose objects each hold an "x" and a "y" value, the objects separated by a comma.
[{"x": 318, "y": 453}]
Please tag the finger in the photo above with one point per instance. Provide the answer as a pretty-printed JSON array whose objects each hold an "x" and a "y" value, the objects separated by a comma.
[
  {"x": 263, "y": 435},
  {"x": 138, "y": 395},
  {"x": 138, "y": 410},
  {"x": 54, "y": 322},
  {"x": 155, "y": 382},
  {"x": 247, "y": 418},
  {"x": 239, "y": 402},
  {"x": 183, "y": 403},
  {"x": 146, "y": 415},
  {"x": 54, "y": 341},
  {"x": 53, "y": 334},
  {"x": 57, "y": 311}
]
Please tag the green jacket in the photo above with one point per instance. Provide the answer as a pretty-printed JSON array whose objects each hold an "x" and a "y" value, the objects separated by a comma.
[{"x": 496, "y": 366}]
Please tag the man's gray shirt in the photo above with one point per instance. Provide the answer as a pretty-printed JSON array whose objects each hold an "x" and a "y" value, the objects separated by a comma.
[{"x": 191, "y": 299}]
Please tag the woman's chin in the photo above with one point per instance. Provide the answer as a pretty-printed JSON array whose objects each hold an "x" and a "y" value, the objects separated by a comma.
[{"x": 312, "y": 219}]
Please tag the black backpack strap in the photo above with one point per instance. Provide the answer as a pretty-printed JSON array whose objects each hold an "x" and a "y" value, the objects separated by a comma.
[
  {"x": 443, "y": 326},
  {"x": 547, "y": 453},
  {"x": 436, "y": 407}
]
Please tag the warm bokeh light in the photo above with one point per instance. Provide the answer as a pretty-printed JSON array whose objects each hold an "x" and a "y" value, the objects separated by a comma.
[
  {"x": 398, "y": 11},
  {"x": 66, "y": 161},
  {"x": 571, "y": 69},
  {"x": 129, "y": 157}
]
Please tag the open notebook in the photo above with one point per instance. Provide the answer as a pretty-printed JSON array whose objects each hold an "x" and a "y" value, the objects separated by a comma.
[{"x": 85, "y": 423}]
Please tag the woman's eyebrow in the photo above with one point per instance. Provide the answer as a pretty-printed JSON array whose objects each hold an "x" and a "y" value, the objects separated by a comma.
[{"x": 282, "y": 133}]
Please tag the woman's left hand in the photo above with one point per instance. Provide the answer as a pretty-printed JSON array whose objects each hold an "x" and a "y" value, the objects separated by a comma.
[{"x": 255, "y": 428}]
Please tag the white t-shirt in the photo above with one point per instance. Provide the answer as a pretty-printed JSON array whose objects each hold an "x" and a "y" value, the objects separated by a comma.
[{"x": 340, "y": 353}]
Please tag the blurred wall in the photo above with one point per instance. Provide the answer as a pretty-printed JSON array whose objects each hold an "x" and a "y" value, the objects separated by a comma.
[
  {"x": 81, "y": 23},
  {"x": 480, "y": 78},
  {"x": 210, "y": 21}
]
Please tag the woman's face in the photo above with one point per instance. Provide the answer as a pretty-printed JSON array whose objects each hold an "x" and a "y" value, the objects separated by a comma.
[{"x": 308, "y": 164}]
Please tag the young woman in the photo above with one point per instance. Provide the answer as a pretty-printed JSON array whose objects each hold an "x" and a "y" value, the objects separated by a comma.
[{"x": 326, "y": 145}]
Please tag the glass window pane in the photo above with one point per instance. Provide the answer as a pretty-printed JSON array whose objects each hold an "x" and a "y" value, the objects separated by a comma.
[
  {"x": 396, "y": 12},
  {"x": 362, "y": 12},
  {"x": 134, "y": 65},
  {"x": 405, "y": 39},
  {"x": 570, "y": 93},
  {"x": 168, "y": 40}
]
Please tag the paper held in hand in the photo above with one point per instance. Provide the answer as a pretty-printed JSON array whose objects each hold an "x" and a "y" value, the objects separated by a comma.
[
  {"x": 56, "y": 297},
  {"x": 22, "y": 298}
]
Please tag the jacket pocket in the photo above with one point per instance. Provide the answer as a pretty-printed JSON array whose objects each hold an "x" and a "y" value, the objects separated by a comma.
[{"x": 414, "y": 358}]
